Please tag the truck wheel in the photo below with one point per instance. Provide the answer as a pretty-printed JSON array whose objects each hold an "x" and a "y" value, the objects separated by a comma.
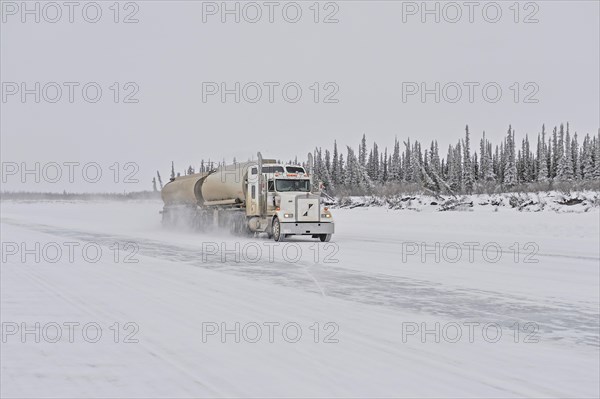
[
  {"x": 276, "y": 229},
  {"x": 325, "y": 237}
]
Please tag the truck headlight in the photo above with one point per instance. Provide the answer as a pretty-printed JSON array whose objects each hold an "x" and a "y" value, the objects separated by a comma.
[
  {"x": 288, "y": 215},
  {"x": 326, "y": 215}
]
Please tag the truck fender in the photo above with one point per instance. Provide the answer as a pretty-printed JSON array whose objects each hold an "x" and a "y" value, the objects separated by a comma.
[{"x": 270, "y": 224}]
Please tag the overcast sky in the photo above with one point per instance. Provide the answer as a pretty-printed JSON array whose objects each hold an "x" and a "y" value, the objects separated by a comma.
[{"x": 179, "y": 53}]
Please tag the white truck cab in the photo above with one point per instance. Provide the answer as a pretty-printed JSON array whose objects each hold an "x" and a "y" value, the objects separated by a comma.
[{"x": 291, "y": 206}]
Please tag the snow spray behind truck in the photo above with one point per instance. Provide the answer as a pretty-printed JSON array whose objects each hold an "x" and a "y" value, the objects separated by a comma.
[{"x": 251, "y": 197}]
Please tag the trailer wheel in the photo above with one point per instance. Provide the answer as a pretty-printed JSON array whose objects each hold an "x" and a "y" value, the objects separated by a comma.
[
  {"x": 324, "y": 237},
  {"x": 276, "y": 229}
]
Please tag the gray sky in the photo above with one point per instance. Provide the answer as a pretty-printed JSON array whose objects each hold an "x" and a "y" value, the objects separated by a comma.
[{"x": 366, "y": 56}]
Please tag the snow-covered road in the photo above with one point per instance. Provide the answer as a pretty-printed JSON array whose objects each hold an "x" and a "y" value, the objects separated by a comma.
[{"x": 496, "y": 304}]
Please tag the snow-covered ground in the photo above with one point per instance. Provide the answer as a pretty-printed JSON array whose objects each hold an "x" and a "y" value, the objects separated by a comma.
[
  {"x": 402, "y": 304},
  {"x": 551, "y": 201}
]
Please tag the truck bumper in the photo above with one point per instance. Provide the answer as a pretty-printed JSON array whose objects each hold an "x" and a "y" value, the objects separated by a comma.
[{"x": 307, "y": 228}]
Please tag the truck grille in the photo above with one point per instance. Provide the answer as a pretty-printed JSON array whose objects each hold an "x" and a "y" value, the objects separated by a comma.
[{"x": 308, "y": 209}]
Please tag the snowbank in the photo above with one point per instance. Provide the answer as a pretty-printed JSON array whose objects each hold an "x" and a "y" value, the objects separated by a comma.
[{"x": 524, "y": 202}]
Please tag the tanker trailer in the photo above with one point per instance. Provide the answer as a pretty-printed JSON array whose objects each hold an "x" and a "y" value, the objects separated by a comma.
[{"x": 246, "y": 198}]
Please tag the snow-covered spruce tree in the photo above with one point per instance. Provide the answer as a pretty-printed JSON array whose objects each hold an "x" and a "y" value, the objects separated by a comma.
[
  {"x": 450, "y": 165},
  {"x": 327, "y": 161},
  {"x": 372, "y": 167},
  {"x": 490, "y": 175},
  {"x": 576, "y": 158},
  {"x": 561, "y": 143},
  {"x": 383, "y": 178},
  {"x": 520, "y": 166},
  {"x": 482, "y": 160},
  {"x": 357, "y": 174},
  {"x": 587, "y": 159},
  {"x": 500, "y": 162},
  {"x": 467, "y": 165},
  {"x": 351, "y": 171},
  {"x": 486, "y": 169},
  {"x": 324, "y": 173},
  {"x": 335, "y": 174},
  {"x": 389, "y": 163},
  {"x": 417, "y": 159},
  {"x": 401, "y": 171},
  {"x": 549, "y": 158},
  {"x": 362, "y": 151},
  {"x": 542, "y": 158},
  {"x": 542, "y": 173},
  {"x": 569, "y": 155},
  {"x": 555, "y": 153},
  {"x": 341, "y": 170},
  {"x": 510, "y": 170},
  {"x": 316, "y": 165},
  {"x": 369, "y": 166},
  {"x": 377, "y": 163},
  {"x": 527, "y": 164},
  {"x": 455, "y": 172},
  {"x": 525, "y": 167},
  {"x": 565, "y": 163},
  {"x": 435, "y": 156},
  {"x": 330, "y": 187},
  {"x": 407, "y": 158},
  {"x": 415, "y": 162},
  {"x": 395, "y": 164},
  {"x": 538, "y": 149}
]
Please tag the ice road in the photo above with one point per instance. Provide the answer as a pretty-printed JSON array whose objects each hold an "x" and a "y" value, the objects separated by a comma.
[{"x": 98, "y": 300}]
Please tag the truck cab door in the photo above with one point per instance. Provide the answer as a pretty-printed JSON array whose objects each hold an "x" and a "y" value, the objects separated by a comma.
[{"x": 271, "y": 196}]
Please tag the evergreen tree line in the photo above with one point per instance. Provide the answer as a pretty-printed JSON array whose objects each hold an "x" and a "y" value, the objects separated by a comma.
[
  {"x": 559, "y": 157},
  {"x": 555, "y": 159}
]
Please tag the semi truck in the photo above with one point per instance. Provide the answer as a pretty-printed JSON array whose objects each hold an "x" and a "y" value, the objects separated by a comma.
[{"x": 247, "y": 198}]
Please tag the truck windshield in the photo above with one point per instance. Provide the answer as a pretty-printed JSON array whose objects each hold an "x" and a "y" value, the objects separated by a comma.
[{"x": 292, "y": 185}]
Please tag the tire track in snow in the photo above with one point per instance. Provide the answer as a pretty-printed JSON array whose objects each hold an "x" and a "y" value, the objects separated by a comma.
[{"x": 575, "y": 323}]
